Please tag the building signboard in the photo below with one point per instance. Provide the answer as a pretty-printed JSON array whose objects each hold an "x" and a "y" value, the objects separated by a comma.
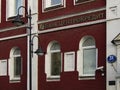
[{"x": 72, "y": 20}]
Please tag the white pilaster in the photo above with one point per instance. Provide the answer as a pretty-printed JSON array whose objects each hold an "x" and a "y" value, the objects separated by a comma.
[
  {"x": 113, "y": 29},
  {"x": 33, "y": 4}
]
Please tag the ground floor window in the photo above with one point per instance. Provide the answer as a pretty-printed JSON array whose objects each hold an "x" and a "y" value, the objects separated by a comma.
[
  {"x": 53, "y": 60},
  {"x": 15, "y": 63},
  {"x": 87, "y": 57}
]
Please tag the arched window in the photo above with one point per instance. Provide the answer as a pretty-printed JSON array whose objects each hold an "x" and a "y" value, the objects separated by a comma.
[
  {"x": 87, "y": 56},
  {"x": 15, "y": 64},
  {"x": 53, "y": 60}
]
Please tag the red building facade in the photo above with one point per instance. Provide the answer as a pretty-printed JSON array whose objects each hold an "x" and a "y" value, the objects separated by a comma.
[
  {"x": 13, "y": 44},
  {"x": 68, "y": 24},
  {"x": 73, "y": 35}
]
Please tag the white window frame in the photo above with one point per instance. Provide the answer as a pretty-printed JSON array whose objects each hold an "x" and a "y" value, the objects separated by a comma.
[
  {"x": 80, "y": 60},
  {"x": 3, "y": 67},
  {"x": 52, "y": 7},
  {"x": 81, "y": 73},
  {"x": 48, "y": 63},
  {"x": 11, "y": 67},
  {"x": 11, "y": 11},
  {"x": 69, "y": 65}
]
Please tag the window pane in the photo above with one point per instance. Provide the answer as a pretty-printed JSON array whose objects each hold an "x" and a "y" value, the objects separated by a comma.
[
  {"x": 89, "y": 62},
  {"x": 17, "y": 66},
  {"x": 12, "y": 7},
  {"x": 16, "y": 52},
  {"x": 54, "y": 2},
  {"x": 18, "y": 4},
  {"x": 55, "y": 46},
  {"x": 89, "y": 42},
  {"x": 55, "y": 63}
]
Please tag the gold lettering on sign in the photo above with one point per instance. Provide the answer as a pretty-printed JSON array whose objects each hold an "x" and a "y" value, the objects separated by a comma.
[{"x": 72, "y": 20}]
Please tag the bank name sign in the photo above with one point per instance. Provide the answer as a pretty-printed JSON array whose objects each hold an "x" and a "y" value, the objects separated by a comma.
[{"x": 72, "y": 20}]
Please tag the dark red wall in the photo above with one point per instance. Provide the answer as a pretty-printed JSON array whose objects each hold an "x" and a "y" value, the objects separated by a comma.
[
  {"x": 14, "y": 32},
  {"x": 7, "y": 45},
  {"x": 5, "y": 48},
  {"x": 69, "y": 41},
  {"x": 69, "y": 9},
  {"x": 7, "y": 23}
]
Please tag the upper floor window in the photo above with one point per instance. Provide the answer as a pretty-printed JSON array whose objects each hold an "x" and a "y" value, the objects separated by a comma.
[
  {"x": 87, "y": 57},
  {"x": 15, "y": 64},
  {"x": 53, "y": 60},
  {"x": 83, "y": 1},
  {"x": 52, "y": 4},
  {"x": 12, "y": 7}
]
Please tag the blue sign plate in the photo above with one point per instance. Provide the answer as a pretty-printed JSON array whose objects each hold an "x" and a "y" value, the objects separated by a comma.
[{"x": 111, "y": 58}]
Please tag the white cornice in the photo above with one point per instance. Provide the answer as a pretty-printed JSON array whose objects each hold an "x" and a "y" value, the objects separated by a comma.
[
  {"x": 11, "y": 28},
  {"x": 13, "y": 37},
  {"x": 71, "y": 26},
  {"x": 71, "y": 15},
  {"x": 54, "y": 29}
]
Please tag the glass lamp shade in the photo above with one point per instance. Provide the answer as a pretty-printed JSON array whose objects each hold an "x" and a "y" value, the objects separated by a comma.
[
  {"x": 18, "y": 21},
  {"x": 39, "y": 52}
]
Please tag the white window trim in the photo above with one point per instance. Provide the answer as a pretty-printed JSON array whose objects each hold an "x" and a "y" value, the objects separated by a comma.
[
  {"x": 3, "y": 67},
  {"x": 80, "y": 65},
  {"x": 65, "y": 58},
  {"x": 80, "y": 60},
  {"x": 48, "y": 63},
  {"x": 11, "y": 67},
  {"x": 11, "y": 71},
  {"x": 50, "y": 8},
  {"x": 48, "y": 68}
]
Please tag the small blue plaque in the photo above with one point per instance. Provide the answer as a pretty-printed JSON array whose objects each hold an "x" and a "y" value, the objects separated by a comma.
[{"x": 111, "y": 58}]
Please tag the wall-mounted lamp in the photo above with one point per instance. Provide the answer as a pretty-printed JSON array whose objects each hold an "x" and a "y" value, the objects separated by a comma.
[
  {"x": 18, "y": 22},
  {"x": 39, "y": 51}
]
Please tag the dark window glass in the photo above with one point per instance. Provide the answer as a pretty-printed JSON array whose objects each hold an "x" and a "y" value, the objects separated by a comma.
[
  {"x": 55, "y": 63},
  {"x": 17, "y": 66}
]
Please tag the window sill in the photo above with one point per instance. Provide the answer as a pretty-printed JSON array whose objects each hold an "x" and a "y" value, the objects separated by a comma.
[
  {"x": 13, "y": 17},
  {"x": 82, "y": 1},
  {"x": 53, "y": 7},
  {"x": 53, "y": 78},
  {"x": 15, "y": 80},
  {"x": 90, "y": 77}
]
